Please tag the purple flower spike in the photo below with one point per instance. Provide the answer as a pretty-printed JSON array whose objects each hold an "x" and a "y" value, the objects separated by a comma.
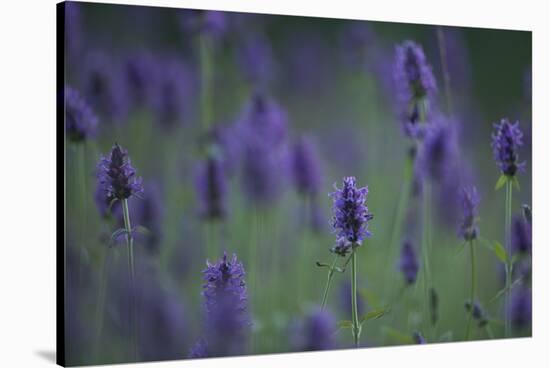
[
  {"x": 520, "y": 309},
  {"x": 408, "y": 263},
  {"x": 211, "y": 22},
  {"x": 507, "y": 138},
  {"x": 351, "y": 215},
  {"x": 80, "y": 120},
  {"x": 211, "y": 187},
  {"x": 413, "y": 75},
  {"x": 306, "y": 167},
  {"x": 521, "y": 236},
  {"x": 438, "y": 151},
  {"x": 316, "y": 332},
  {"x": 116, "y": 176},
  {"x": 255, "y": 57},
  {"x": 225, "y": 300},
  {"x": 469, "y": 199},
  {"x": 418, "y": 338}
]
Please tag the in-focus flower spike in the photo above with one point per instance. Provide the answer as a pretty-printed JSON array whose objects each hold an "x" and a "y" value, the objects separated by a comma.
[
  {"x": 413, "y": 75},
  {"x": 521, "y": 236},
  {"x": 315, "y": 332},
  {"x": 80, "y": 120},
  {"x": 117, "y": 177},
  {"x": 408, "y": 263},
  {"x": 506, "y": 140},
  {"x": 469, "y": 200},
  {"x": 226, "y": 303},
  {"x": 211, "y": 187},
  {"x": 351, "y": 215},
  {"x": 306, "y": 167}
]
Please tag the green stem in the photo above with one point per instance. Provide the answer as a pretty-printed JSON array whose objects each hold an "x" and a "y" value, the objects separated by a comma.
[
  {"x": 130, "y": 243},
  {"x": 426, "y": 248},
  {"x": 472, "y": 288},
  {"x": 356, "y": 327},
  {"x": 507, "y": 231},
  {"x": 329, "y": 281}
]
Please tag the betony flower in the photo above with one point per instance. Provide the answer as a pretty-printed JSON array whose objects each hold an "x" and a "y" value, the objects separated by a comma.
[
  {"x": 306, "y": 167},
  {"x": 211, "y": 187},
  {"x": 225, "y": 301},
  {"x": 469, "y": 199},
  {"x": 506, "y": 140},
  {"x": 315, "y": 332},
  {"x": 117, "y": 177},
  {"x": 80, "y": 120},
  {"x": 413, "y": 75},
  {"x": 521, "y": 236},
  {"x": 520, "y": 308},
  {"x": 408, "y": 263},
  {"x": 141, "y": 75},
  {"x": 351, "y": 215}
]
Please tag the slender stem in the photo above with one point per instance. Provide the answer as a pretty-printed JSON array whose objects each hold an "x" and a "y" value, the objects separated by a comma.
[
  {"x": 329, "y": 280},
  {"x": 472, "y": 288},
  {"x": 130, "y": 243},
  {"x": 356, "y": 327},
  {"x": 507, "y": 231}
]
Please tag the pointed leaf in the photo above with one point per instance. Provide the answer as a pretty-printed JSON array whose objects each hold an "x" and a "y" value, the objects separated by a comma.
[
  {"x": 500, "y": 252},
  {"x": 501, "y": 181},
  {"x": 345, "y": 324},
  {"x": 373, "y": 314}
]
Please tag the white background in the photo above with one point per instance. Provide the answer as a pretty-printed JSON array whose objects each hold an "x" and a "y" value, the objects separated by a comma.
[{"x": 27, "y": 180}]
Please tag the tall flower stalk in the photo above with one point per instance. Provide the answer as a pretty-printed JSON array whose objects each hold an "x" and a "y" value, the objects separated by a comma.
[
  {"x": 118, "y": 182},
  {"x": 506, "y": 140},
  {"x": 350, "y": 223}
]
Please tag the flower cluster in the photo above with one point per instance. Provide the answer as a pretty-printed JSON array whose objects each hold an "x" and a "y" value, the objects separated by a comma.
[
  {"x": 306, "y": 167},
  {"x": 351, "y": 215},
  {"x": 408, "y": 263},
  {"x": 225, "y": 300},
  {"x": 469, "y": 200},
  {"x": 507, "y": 138},
  {"x": 80, "y": 120},
  {"x": 413, "y": 75},
  {"x": 438, "y": 151},
  {"x": 116, "y": 177}
]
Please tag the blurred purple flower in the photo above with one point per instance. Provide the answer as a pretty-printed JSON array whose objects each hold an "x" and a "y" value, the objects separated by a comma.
[
  {"x": 408, "y": 263},
  {"x": 104, "y": 87},
  {"x": 345, "y": 299},
  {"x": 469, "y": 199},
  {"x": 438, "y": 151},
  {"x": 506, "y": 140},
  {"x": 173, "y": 98},
  {"x": 255, "y": 57},
  {"x": 356, "y": 41},
  {"x": 149, "y": 212},
  {"x": 266, "y": 121},
  {"x": 521, "y": 236},
  {"x": 210, "y": 22},
  {"x": 73, "y": 30},
  {"x": 520, "y": 308},
  {"x": 351, "y": 215},
  {"x": 211, "y": 187},
  {"x": 418, "y": 338},
  {"x": 116, "y": 176},
  {"x": 199, "y": 350},
  {"x": 478, "y": 313},
  {"x": 80, "y": 120},
  {"x": 306, "y": 167},
  {"x": 413, "y": 75},
  {"x": 224, "y": 139},
  {"x": 225, "y": 300},
  {"x": 315, "y": 332},
  {"x": 141, "y": 75}
]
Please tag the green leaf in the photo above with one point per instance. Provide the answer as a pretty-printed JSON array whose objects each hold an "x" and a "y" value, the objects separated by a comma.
[
  {"x": 501, "y": 181},
  {"x": 500, "y": 252},
  {"x": 503, "y": 290},
  {"x": 345, "y": 324},
  {"x": 398, "y": 336},
  {"x": 515, "y": 181},
  {"x": 373, "y": 314},
  {"x": 370, "y": 297}
]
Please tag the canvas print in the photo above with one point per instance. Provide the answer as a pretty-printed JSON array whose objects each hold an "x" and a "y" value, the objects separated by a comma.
[{"x": 241, "y": 184}]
